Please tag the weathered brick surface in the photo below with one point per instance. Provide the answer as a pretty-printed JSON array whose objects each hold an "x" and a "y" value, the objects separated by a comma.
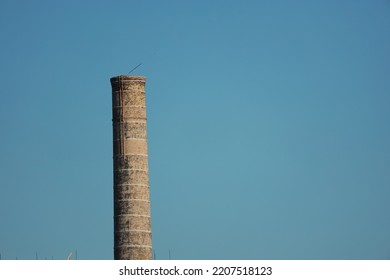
[
  {"x": 131, "y": 206},
  {"x": 132, "y": 162},
  {"x": 131, "y": 98},
  {"x": 129, "y": 147},
  {"x": 135, "y": 237},
  {"x": 132, "y": 225},
  {"x": 129, "y": 176},
  {"x": 131, "y": 192},
  {"x": 133, "y": 253},
  {"x": 129, "y": 129},
  {"x": 138, "y": 113}
]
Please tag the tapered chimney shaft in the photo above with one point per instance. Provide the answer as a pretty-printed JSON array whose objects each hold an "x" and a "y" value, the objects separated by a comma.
[{"x": 132, "y": 224}]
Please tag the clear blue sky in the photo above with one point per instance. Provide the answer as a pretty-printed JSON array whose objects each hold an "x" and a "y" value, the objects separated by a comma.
[{"x": 268, "y": 126}]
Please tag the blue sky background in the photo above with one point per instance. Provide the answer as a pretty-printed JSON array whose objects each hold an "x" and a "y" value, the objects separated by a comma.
[{"x": 268, "y": 126}]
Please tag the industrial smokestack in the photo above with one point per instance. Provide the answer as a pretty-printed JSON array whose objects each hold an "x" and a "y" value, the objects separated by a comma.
[{"x": 132, "y": 225}]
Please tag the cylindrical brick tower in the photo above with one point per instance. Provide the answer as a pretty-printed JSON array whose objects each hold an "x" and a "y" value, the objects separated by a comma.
[{"x": 132, "y": 225}]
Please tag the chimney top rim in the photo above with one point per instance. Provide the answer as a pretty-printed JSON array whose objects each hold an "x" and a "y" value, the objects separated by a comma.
[{"x": 127, "y": 77}]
